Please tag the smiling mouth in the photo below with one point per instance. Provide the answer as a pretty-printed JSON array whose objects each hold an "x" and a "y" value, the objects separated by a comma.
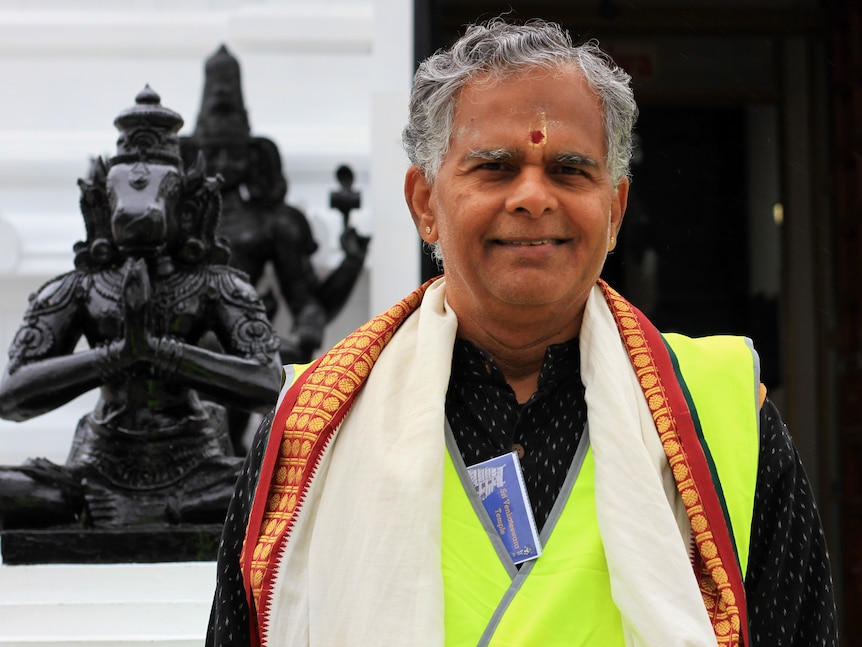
[{"x": 532, "y": 243}]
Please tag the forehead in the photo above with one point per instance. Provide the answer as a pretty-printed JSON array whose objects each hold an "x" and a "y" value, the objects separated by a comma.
[{"x": 561, "y": 98}]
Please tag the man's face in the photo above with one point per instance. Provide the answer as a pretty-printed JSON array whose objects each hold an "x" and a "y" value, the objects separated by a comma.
[{"x": 523, "y": 206}]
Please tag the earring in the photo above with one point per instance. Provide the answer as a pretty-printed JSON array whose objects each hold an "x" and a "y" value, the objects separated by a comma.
[{"x": 427, "y": 230}]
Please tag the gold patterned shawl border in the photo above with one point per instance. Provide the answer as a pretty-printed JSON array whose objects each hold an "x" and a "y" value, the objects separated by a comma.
[
  {"x": 322, "y": 401},
  {"x": 716, "y": 590}
]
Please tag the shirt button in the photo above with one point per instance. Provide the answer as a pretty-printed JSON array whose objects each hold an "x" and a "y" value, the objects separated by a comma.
[{"x": 518, "y": 447}]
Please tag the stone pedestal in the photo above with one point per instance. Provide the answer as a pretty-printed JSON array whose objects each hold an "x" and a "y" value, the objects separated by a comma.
[
  {"x": 137, "y": 545},
  {"x": 107, "y": 588},
  {"x": 105, "y": 605}
]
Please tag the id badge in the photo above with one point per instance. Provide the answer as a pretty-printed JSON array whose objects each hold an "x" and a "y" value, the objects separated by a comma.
[{"x": 500, "y": 484}]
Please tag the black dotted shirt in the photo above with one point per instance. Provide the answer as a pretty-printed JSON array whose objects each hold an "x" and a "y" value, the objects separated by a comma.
[
  {"x": 788, "y": 585},
  {"x": 487, "y": 420}
]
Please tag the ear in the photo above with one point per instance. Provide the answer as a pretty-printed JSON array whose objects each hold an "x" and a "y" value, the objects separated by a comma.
[
  {"x": 417, "y": 193},
  {"x": 618, "y": 209}
]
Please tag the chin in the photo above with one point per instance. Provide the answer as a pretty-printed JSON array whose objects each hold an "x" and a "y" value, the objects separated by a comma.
[
  {"x": 528, "y": 297},
  {"x": 535, "y": 294}
]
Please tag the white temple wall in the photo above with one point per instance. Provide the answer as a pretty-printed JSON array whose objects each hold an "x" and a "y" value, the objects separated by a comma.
[{"x": 327, "y": 81}]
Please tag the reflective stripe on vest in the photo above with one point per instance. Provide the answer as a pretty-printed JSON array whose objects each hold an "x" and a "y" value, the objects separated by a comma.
[{"x": 564, "y": 596}]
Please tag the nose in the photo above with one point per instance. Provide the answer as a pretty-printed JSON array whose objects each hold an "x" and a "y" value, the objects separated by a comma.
[{"x": 531, "y": 193}]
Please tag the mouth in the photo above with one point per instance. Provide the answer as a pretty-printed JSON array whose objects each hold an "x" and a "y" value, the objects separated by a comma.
[
  {"x": 139, "y": 249},
  {"x": 531, "y": 243}
]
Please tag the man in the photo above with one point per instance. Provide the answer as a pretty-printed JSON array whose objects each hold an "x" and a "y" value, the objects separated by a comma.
[{"x": 670, "y": 503}]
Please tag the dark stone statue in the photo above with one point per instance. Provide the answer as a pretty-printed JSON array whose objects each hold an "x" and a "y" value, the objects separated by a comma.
[
  {"x": 262, "y": 230},
  {"x": 150, "y": 281}
]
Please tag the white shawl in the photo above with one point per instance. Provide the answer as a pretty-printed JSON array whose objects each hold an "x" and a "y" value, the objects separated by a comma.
[{"x": 362, "y": 564}]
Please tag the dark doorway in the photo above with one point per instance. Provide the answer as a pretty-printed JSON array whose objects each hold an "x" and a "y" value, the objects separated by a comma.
[
  {"x": 684, "y": 246},
  {"x": 686, "y": 222}
]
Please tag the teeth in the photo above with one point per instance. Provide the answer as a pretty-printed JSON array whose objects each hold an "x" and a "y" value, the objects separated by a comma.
[{"x": 534, "y": 242}]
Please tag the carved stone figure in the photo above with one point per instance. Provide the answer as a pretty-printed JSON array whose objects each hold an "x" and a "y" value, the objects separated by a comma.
[
  {"x": 262, "y": 230},
  {"x": 150, "y": 280}
]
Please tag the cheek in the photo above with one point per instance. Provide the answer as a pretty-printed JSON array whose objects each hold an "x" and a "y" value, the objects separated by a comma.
[
  {"x": 450, "y": 218},
  {"x": 441, "y": 215},
  {"x": 451, "y": 240}
]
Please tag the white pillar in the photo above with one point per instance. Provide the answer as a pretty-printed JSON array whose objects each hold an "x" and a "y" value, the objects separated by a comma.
[{"x": 394, "y": 255}]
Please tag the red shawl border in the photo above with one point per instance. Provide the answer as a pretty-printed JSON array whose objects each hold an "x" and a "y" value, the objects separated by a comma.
[
  {"x": 315, "y": 405},
  {"x": 256, "y": 516},
  {"x": 303, "y": 427},
  {"x": 721, "y": 583}
]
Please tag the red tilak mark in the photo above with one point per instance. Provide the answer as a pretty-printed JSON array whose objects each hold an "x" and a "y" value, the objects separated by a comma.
[{"x": 536, "y": 136}]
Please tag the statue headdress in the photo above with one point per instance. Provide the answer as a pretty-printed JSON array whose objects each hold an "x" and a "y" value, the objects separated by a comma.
[
  {"x": 223, "y": 117},
  {"x": 148, "y": 131}
]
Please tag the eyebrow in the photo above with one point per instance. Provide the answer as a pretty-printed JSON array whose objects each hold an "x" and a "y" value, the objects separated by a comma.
[
  {"x": 494, "y": 155},
  {"x": 576, "y": 159},
  {"x": 505, "y": 154}
]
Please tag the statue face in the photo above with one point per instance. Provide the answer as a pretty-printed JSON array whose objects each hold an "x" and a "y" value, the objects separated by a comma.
[
  {"x": 143, "y": 199},
  {"x": 228, "y": 160}
]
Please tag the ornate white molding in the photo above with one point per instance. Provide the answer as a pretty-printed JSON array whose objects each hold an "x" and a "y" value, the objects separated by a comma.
[{"x": 182, "y": 30}]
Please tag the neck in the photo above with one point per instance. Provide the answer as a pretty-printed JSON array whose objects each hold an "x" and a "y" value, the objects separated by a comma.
[{"x": 518, "y": 348}]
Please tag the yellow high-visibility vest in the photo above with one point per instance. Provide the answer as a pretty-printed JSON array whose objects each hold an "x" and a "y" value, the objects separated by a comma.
[{"x": 564, "y": 597}]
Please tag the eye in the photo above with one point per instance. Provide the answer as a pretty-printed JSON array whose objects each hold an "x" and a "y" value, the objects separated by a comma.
[
  {"x": 564, "y": 169},
  {"x": 492, "y": 166}
]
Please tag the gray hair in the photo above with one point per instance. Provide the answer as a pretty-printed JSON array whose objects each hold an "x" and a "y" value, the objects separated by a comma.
[{"x": 501, "y": 49}]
